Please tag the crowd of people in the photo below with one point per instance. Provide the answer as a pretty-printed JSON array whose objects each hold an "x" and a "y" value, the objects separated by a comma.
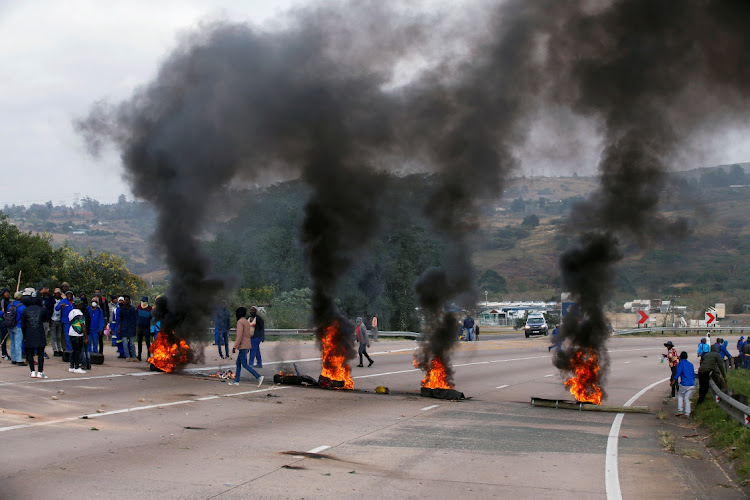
[
  {"x": 714, "y": 360},
  {"x": 76, "y": 327}
]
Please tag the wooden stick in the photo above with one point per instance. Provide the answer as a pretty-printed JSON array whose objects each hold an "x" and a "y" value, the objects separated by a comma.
[{"x": 18, "y": 283}]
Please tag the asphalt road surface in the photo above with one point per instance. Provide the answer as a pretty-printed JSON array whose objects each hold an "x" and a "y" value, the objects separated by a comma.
[{"x": 121, "y": 431}]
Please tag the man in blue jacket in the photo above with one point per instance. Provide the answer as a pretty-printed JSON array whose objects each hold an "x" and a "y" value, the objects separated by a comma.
[
  {"x": 65, "y": 306},
  {"x": 16, "y": 333},
  {"x": 685, "y": 376},
  {"x": 143, "y": 326}
]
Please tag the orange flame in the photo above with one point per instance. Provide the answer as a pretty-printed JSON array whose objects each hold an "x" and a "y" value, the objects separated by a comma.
[
  {"x": 334, "y": 365},
  {"x": 436, "y": 378},
  {"x": 166, "y": 355},
  {"x": 584, "y": 385}
]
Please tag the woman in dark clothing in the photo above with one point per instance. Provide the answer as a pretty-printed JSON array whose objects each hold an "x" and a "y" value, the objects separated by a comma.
[{"x": 34, "y": 336}]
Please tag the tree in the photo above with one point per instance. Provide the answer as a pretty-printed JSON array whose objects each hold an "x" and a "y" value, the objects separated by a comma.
[
  {"x": 492, "y": 282},
  {"x": 518, "y": 205},
  {"x": 104, "y": 271},
  {"x": 530, "y": 221},
  {"x": 291, "y": 309},
  {"x": 32, "y": 254}
]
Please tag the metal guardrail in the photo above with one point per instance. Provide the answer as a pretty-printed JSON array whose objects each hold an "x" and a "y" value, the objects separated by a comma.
[
  {"x": 731, "y": 406},
  {"x": 291, "y": 332},
  {"x": 663, "y": 329}
]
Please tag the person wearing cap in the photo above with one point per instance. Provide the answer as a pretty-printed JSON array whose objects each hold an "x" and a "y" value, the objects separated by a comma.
[
  {"x": 65, "y": 306},
  {"x": 77, "y": 335},
  {"x": 34, "y": 337},
  {"x": 143, "y": 326},
  {"x": 127, "y": 318},
  {"x": 685, "y": 376},
  {"x": 116, "y": 338},
  {"x": 673, "y": 360}
]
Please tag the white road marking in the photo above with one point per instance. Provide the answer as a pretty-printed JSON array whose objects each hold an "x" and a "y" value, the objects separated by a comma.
[
  {"x": 548, "y": 375},
  {"x": 429, "y": 407},
  {"x": 318, "y": 449},
  {"x": 625, "y": 362},
  {"x": 611, "y": 474},
  {"x": 138, "y": 408},
  {"x": 76, "y": 379},
  {"x": 387, "y": 373},
  {"x": 502, "y": 386}
]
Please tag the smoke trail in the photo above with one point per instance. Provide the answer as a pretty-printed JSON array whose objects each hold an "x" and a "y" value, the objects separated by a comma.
[
  {"x": 640, "y": 79},
  {"x": 482, "y": 110}
]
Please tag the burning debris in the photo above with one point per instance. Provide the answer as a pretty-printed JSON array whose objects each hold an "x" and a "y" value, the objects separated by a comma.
[
  {"x": 585, "y": 384},
  {"x": 292, "y": 376},
  {"x": 335, "y": 372},
  {"x": 169, "y": 352}
]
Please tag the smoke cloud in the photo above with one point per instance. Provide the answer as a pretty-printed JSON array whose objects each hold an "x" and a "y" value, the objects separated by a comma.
[{"x": 326, "y": 98}]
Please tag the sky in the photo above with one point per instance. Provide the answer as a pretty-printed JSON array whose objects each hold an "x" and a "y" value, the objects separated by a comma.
[{"x": 59, "y": 57}]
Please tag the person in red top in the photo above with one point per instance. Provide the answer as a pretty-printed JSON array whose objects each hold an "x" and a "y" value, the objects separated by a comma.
[{"x": 673, "y": 359}]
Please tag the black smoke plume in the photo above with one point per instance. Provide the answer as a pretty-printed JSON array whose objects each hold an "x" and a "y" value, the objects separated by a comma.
[{"x": 641, "y": 79}]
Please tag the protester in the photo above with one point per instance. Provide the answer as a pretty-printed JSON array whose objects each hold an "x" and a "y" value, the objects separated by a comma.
[
  {"x": 374, "y": 324},
  {"x": 65, "y": 306},
  {"x": 556, "y": 342},
  {"x": 684, "y": 376},
  {"x": 672, "y": 360},
  {"x": 143, "y": 326},
  {"x": 127, "y": 318},
  {"x": 48, "y": 303},
  {"x": 221, "y": 329},
  {"x": 746, "y": 355},
  {"x": 364, "y": 342},
  {"x": 5, "y": 301},
  {"x": 724, "y": 353},
  {"x": 77, "y": 335},
  {"x": 469, "y": 327},
  {"x": 245, "y": 330},
  {"x": 12, "y": 320},
  {"x": 258, "y": 337},
  {"x": 711, "y": 366},
  {"x": 116, "y": 338},
  {"x": 55, "y": 325},
  {"x": 104, "y": 306},
  {"x": 34, "y": 337},
  {"x": 97, "y": 326},
  {"x": 703, "y": 348}
]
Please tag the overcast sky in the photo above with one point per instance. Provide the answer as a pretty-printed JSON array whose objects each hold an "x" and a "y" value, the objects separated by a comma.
[{"x": 60, "y": 56}]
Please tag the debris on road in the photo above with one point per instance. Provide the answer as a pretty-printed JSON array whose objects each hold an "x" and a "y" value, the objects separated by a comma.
[{"x": 382, "y": 390}]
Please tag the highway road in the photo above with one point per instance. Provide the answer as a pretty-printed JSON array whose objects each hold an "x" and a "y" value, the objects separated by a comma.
[{"x": 121, "y": 431}]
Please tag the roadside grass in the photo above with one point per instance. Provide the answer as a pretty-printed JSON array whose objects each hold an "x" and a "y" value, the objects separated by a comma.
[
  {"x": 667, "y": 440},
  {"x": 726, "y": 434},
  {"x": 662, "y": 416}
]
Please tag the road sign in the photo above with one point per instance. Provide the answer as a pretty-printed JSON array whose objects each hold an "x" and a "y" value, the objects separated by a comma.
[
  {"x": 569, "y": 309},
  {"x": 710, "y": 317},
  {"x": 747, "y": 420},
  {"x": 642, "y": 317}
]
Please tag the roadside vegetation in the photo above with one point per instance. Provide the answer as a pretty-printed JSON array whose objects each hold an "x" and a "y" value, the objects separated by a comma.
[{"x": 726, "y": 434}]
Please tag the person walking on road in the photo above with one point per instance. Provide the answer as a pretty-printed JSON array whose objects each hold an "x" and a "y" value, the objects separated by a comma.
[
  {"x": 710, "y": 367},
  {"x": 684, "y": 376},
  {"x": 672, "y": 360},
  {"x": 556, "y": 342},
  {"x": 221, "y": 329},
  {"x": 258, "y": 337},
  {"x": 364, "y": 342},
  {"x": 242, "y": 343}
]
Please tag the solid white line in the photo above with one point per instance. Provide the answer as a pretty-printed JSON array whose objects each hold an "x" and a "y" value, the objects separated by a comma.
[
  {"x": 549, "y": 375},
  {"x": 502, "y": 386},
  {"x": 387, "y": 373},
  {"x": 429, "y": 407},
  {"x": 75, "y": 379},
  {"x": 611, "y": 474},
  {"x": 318, "y": 449},
  {"x": 138, "y": 408}
]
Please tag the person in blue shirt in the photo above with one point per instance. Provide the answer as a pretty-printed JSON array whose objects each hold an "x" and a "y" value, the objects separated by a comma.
[
  {"x": 16, "y": 333},
  {"x": 703, "y": 348},
  {"x": 65, "y": 306},
  {"x": 685, "y": 376},
  {"x": 97, "y": 325},
  {"x": 724, "y": 353},
  {"x": 555, "y": 338}
]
